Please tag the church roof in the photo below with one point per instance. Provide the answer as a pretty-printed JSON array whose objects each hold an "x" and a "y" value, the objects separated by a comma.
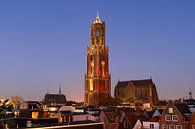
[
  {"x": 135, "y": 82},
  {"x": 142, "y": 82},
  {"x": 122, "y": 83},
  {"x": 55, "y": 98}
]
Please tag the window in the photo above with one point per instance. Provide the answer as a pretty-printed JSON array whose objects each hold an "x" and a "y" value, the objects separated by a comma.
[
  {"x": 151, "y": 126},
  {"x": 168, "y": 117},
  {"x": 35, "y": 115},
  {"x": 174, "y": 118},
  {"x": 165, "y": 126},
  {"x": 90, "y": 85},
  {"x": 193, "y": 126},
  {"x": 178, "y": 127},
  {"x": 97, "y": 33},
  {"x": 171, "y": 126},
  {"x": 125, "y": 124},
  {"x": 170, "y": 110},
  {"x": 92, "y": 68},
  {"x": 103, "y": 67}
]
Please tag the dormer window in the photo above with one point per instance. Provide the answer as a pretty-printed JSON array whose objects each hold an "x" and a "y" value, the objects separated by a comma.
[{"x": 170, "y": 110}]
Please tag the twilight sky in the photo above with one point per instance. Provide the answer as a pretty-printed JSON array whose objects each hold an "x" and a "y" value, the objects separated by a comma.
[{"x": 43, "y": 45}]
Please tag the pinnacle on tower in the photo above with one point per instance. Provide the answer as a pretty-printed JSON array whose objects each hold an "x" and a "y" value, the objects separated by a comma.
[
  {"x": 60, "y": 89},
  {"x": 190, "y": 95},
  {"x": 97, "y": 15},
  {"x": 97, "y": 19}
]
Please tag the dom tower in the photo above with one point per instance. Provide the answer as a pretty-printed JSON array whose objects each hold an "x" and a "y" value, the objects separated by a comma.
[{"x": 97, "y": 77}]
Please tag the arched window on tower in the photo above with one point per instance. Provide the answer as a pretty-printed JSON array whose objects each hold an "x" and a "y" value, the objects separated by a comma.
[
  {"x": 90, "y": 85},
  {"x": 103, "y": 68},
  {"x": 92, "y": 68},
  {"x": 97, "y": 33}
]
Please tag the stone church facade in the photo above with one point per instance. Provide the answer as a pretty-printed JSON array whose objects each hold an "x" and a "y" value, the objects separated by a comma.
[{"x": 137, "y": 91}]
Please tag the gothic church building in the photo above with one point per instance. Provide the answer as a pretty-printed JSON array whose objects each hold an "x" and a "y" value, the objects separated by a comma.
[{"x": 137, "y": 92}]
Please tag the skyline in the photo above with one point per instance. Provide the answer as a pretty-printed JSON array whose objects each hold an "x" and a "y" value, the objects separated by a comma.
[{"x": 44, "y": 44}]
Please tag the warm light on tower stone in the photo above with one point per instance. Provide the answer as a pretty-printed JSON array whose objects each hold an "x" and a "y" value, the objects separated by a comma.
[{"x": 97, "y": 77}]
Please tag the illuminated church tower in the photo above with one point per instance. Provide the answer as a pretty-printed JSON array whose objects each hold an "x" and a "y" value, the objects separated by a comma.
[{"x": 97, "y": 78}]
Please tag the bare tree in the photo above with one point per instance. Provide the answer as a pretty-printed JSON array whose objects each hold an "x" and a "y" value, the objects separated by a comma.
[{"x": 17, "y": 100}]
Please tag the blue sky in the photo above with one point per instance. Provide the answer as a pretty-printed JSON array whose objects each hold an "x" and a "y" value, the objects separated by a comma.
[{"x": 43, "y": 45}]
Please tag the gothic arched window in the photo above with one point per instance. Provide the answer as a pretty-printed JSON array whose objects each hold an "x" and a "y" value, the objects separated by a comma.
[{"x": 97, "y": 33}]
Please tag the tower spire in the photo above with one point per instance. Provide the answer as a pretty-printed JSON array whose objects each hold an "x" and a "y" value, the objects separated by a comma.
[
  {"x": 97, "y": 19},
  {"x": 60, "y": 89},
  {"x": 97, "y": 15},
  {"x": 190, "y": 94}
]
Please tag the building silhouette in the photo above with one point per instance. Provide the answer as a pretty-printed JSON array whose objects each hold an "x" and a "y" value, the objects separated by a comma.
[
  {"x": 97, "y": 77},
  {"x": 55, "y": 99}
]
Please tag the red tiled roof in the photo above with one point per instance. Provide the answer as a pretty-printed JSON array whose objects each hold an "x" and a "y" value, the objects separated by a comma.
[{"x": 154, "y": 119}]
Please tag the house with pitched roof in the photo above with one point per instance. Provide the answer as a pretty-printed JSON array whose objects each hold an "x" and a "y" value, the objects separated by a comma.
[
  {"x": 192, "y": 121},
  {"x": 153, "y": 122},
  {"x": 175, "y": 116},
  {"x": 128, "y": 119},
  {"x": 133, "y": 119},
  {"x": 110, "y": 119}
]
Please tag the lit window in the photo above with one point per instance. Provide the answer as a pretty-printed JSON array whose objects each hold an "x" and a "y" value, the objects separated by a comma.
[
  {"x": 103, "y": 66},
  {"x": 175, "y": 118},
  {"x": 151, "y": 126},
  {"x": 165, "y": 126},
  {"x": 170, "y": 110},
  {"x": 92, "y": 68},
  {"x": 91, "y": 85},
  {"x": 168, "y": 117},
  {"x": 178, "y": 127},
  {"x": 35, "y": 115},
  {"x": 171, "y": 126}
]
